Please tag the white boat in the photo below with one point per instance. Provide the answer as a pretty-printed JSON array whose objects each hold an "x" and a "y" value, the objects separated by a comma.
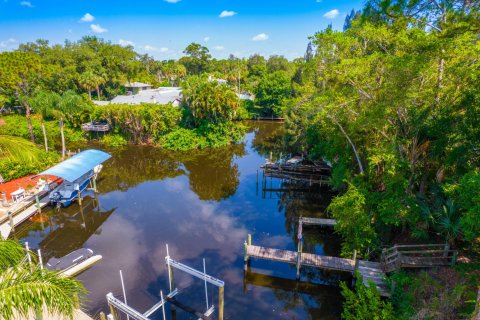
[
  {"x": 74, "y": 262},
  {"x": 67, "y": 192},
  {"x": 77, "y": 172}
]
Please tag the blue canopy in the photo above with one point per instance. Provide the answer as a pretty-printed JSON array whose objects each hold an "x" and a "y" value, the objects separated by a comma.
[{"x": 76, "y": 166}]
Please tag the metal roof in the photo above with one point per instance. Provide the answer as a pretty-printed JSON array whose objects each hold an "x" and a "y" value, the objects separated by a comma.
[
  {"x": 78, "y": 165},
  {"x": 161, "y": 95},
  {"x": 137, "y": 85}
]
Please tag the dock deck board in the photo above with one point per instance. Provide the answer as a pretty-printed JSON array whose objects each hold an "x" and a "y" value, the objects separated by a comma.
[
  {"x": 370, "y": 271},
  {"x": 21, "y": 216},
  {"x": 317, "y": 222}
]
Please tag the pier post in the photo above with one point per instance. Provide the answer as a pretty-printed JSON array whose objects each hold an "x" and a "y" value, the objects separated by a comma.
[
  {"x": 246, "y": 258},
  {"x": 220, "y": 302},
  {"x": 37, "y": 200},
  {"x": 10, "y": 218},
  {"x": 299, "y": 258},
  {"x": 79, "y": 197},
  {"x": 4, "y": 199},
  {"x": 113, "y": 312}
]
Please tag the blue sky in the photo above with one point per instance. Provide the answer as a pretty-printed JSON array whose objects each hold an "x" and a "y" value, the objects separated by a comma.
[{"x": 163, "y": 28}]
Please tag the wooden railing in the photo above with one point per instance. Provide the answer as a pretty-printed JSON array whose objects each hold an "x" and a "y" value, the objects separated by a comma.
[
  {"x": 95, "y": 127},
  {"x": 417, "y": 256}
]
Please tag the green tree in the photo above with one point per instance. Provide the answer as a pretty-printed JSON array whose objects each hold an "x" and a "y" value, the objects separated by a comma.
[
  {"x": 272, "y": 92},
  {"x": 208, "y": 100},
  {"x": 197, "y": 58},
  {"x": 20, "y": 73}
]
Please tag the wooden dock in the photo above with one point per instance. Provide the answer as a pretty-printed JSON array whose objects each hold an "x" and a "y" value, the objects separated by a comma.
[
  {"x": 317, "y": 222},
  {"x": 19, "y": 216},
  {"x": 370, "y": 271}
]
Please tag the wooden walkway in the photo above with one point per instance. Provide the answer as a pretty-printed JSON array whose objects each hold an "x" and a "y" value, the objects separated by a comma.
[
  {"x": 317, "y": 222},
  {"x": 20, "y": 216},
  {"x": 370, "y": 271},
  {"x": 417, "y": 256}
]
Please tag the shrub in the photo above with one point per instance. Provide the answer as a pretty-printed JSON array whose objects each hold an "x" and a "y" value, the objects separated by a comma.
[
  {"x": 114, "y": 140},
  {"x": 365, "y": 303},
  {"x": 140, "y": 123},
  {"x": 183, "y": 139},
  {"x": 11, "y": 169}
]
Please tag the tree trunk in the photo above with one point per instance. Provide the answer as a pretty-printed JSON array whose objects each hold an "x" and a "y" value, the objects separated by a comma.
[
  {"x": 360, "y": 166},
  {"x": 90, "y": 94},
  {"x": 29, "y": 123},
  {"x": 44, "y": 135},
  {"x": 441, "y": 67},
  {"x": 63, "y": 139},
  {"x": 98, "y": 92}
]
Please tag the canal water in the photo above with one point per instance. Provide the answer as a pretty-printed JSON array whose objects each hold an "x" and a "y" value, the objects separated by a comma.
[{"x": 202, "y": 204}]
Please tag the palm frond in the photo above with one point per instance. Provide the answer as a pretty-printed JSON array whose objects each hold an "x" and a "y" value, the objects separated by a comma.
[
  {"x": 16, "y": 148},
  {"x": 23, "y": 291},
  {"x": 11, "y": 253}
]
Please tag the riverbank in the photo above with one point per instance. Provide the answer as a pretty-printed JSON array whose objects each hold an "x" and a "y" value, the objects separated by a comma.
[{"x": 203, "y": 204}]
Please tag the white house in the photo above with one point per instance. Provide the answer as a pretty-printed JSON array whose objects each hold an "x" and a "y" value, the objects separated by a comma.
[{"x": 162, "y": 95}]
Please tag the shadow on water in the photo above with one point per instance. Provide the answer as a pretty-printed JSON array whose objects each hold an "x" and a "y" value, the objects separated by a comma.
[{"x": 203, "y": 204}]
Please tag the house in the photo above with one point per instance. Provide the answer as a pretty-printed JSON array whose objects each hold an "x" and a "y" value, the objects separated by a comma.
[
  {"x": 219, "y": 81},
  {"x": 162, "y": 95},
  {"x": 136, "y": 87}
]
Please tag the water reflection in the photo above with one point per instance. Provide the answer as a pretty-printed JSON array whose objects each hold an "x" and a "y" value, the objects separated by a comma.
[{"x": 203, "y": 204}]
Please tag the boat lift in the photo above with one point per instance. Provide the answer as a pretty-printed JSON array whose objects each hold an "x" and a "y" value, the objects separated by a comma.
[{"x": 117, "y": 305}]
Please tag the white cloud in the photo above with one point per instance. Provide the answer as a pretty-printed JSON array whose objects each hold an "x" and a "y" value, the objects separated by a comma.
[
  {"x": 125, "y": 43},
  {"x": 26, "y": 4},
  {"x": 219, "y": 48},
  {"x": 260, "y": 37},
  {"x": 332, "y": 14},
  {"x": 152, "y": 48},
  {"x": 226, "y": 13},
  {"x": 97, "y": 28},
  {"x": 206, "y": 39},
  {"x": 8, "y": 44},
  {"x": 172, "y": 1},
  {"x": 87, "y": 17}
]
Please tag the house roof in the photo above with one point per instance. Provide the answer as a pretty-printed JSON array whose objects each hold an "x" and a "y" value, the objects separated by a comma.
[
  {"x": 162, "y": 95},
  {"x": 137, "y": 85}
]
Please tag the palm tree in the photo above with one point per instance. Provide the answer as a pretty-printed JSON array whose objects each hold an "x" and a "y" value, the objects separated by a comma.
[
  {"x": 87, "y": 82},
  {"x": 43, "y": 103},
  {"x": 28, "y": 288},
  {"x": 16, "y": 148},
  {"x": 449, "y": 222}
]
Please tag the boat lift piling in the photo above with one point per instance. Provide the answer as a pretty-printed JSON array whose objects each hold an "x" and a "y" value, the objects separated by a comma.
[{"x": 116, "y": 305}]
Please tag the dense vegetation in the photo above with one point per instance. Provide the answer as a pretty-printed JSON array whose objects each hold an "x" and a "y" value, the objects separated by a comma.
[{"x": 392, "y": 101}]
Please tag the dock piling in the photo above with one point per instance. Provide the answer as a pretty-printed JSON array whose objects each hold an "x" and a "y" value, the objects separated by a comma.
[
  {"x": 220, "y": 302},
  {"x": 37, "y": 201},
  {"x": 4, "y": 200},
  {"x": 10, "y": 218},
  {"x": 299, "y": 259}
]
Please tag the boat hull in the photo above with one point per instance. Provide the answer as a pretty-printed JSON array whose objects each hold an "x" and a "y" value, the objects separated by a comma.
[{"x": 66, "y": 198}]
